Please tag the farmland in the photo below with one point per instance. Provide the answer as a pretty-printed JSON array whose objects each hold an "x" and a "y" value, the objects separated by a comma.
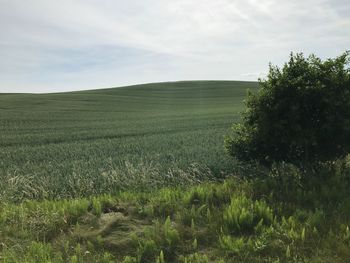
[
  {"x": 140, "y": 174},
  {"x": 61, "y": 145}
]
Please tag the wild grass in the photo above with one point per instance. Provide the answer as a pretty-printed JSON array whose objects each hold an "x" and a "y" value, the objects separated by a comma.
[{"x": 238, "y": 220}]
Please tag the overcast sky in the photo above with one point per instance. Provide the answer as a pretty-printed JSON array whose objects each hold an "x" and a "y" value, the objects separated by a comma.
[{"x": 48, "y": 46}]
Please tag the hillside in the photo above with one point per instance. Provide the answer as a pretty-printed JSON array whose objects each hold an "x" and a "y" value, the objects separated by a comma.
[
  {"x": 59, "y": 139},
  {"x": 139, "y": 175}
]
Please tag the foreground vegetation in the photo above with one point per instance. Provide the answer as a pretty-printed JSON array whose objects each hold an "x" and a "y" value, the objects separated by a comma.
[
  {"x": 277, "y": 216},
  {"x": 139, "y": 174},
  {"x": 75, "y": 144}
]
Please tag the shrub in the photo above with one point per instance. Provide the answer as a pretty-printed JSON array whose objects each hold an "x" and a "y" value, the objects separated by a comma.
[{"x": 301, "y": 114}]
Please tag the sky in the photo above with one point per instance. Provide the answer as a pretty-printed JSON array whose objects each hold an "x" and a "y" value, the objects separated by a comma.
[{"x": 66, "y": 45}]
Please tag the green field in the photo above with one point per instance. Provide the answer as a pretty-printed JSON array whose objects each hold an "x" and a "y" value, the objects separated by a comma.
[
  {"x": 70, "y": 144},
  {"x": 136, "y": 175}
]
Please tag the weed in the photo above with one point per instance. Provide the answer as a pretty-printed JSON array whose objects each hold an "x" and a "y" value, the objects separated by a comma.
[{"x": 243, "y": 214}]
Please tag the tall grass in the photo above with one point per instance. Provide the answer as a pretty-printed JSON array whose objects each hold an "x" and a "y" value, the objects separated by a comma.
[
  {"x": 17, "y": 188},
  {"x": 237, "y": 220}
]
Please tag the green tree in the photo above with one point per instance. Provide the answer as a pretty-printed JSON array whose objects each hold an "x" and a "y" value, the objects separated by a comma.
[{"x": 300, "y": 114}]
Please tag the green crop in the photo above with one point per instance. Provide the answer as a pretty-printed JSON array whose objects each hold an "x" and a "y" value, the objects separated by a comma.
[{"x": 75, "y": 144}]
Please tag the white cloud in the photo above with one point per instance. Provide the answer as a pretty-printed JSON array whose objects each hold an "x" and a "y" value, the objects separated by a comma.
[{"x": 78, "y": 44}]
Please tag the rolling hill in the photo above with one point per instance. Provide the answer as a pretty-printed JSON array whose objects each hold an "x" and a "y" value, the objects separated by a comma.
[
  {"x": 57, "y": 139},
  {"x": 131, "y": 175}
]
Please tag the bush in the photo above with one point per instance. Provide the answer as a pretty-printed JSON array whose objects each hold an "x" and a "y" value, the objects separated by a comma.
[{"x": 301, "y": 114}]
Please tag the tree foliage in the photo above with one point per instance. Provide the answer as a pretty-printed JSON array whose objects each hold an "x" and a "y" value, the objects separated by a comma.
[{"x": 300, "y": 114}]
